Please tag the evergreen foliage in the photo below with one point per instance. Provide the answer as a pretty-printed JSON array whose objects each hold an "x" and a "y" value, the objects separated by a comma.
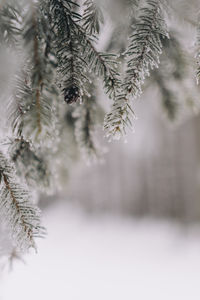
[
  {"x": 92, "y": 17},
  {"x": 9, "y": 19},
  {"x": 145, "y": 47},
  {"x": 86, "y": 133},
  {"x": 30, "y": 163},
  {"x": 16, "y": 209},
  {"x": 54, "y": 107}
]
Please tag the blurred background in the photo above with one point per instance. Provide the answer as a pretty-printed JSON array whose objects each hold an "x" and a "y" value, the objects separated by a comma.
[{"x": 128, "y": 227}]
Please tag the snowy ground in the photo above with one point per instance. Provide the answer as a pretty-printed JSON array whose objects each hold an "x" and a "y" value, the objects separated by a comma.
[{"x": 104, "y": 258}]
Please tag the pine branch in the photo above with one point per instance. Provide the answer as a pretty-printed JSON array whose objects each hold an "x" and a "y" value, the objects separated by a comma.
[
  {"x": 16, "y": 209},
  {"x": 28, "y": 114},
  {"x": 41, "y": 107},
  {"x": 172, "y": 71},
  {"x": 92, "y": 18},
  {"x": 71, "y": 65},
  {"x": 86, "y": 129},
  {"x": 31, "y": 106},
  {"x": 120, "y": 118},
  {"x": 103, "y": 65},
  {"x": 9, "y": 20},
  {"x": 30, "y": 163},
  {"x": 142, "y": 55},
  {"x": 145, "y": 46},
  {"x": 77, "y": 55},
  {"x": 168, "y": 98},
  {"x": 20, "y": 104}
]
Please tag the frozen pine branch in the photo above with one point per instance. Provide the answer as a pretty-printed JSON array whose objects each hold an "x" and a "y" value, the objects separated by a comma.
[
  {"x": 120, "y": 118},
  {"x": 30, "y": 163},
  {"x": 172, "y": 69},
  {"x": 92, "y": 17},
  {"x": 145, "y": 47},
  {"x": 104, "y": 65},
  {"x": 168, "y": 97},
  {"x": 30, "y": 111},
  {"x": 77, "y": 54},
  {"x": 84, "y": 130},
  {"x": 86, "y": 123},
  {"x": 39, "y": 75},
  {"x": 31, "y": 106},
  {"x": 16, "y": 209},
  {"x": 9, "y": 21},
  {"x": 71, "y": 64}
]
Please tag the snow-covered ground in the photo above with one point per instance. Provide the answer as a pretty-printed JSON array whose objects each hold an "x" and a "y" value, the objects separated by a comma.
[{"x": 89, "y": 257}]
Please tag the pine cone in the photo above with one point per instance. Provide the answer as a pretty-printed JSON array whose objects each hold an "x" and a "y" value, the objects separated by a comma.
[{"x": 71, "y": 94}]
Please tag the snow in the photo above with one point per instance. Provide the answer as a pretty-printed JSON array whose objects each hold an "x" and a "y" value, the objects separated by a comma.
[{"x": 93, "y": 257}]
